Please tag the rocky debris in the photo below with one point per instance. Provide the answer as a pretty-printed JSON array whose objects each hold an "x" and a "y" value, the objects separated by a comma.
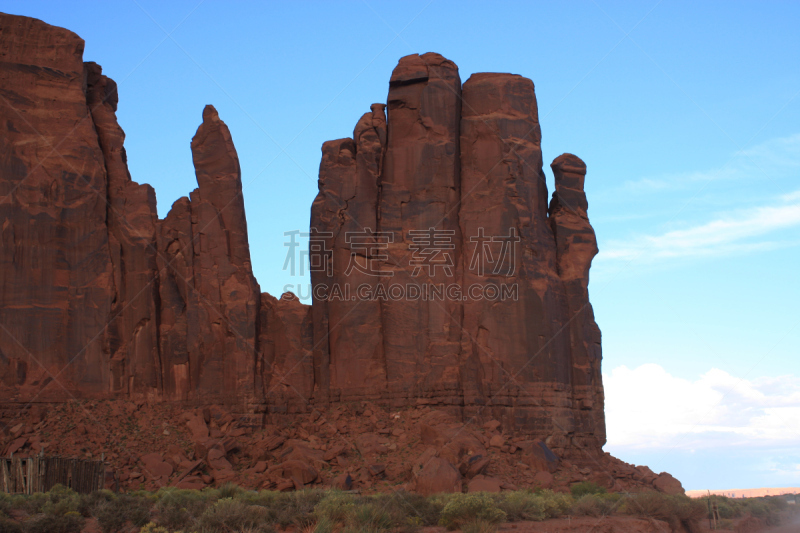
[
  {"x": 156, "y": 467},
  {"x": 437, "y": 475},
  {"x": 482, "y": 483},
  {"x": 538, "y": 456},
  {"x": 313, "y": 453}
]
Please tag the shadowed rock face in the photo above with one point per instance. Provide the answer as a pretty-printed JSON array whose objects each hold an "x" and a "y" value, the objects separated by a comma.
[
  {"x": 462, "y": 163},
  {"x": 439, "y": 194}
]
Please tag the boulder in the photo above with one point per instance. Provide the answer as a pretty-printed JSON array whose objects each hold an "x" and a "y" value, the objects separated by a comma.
[
  {"x": 483, "y": 484},
  {"x": 437, "y": 475},
  {"x": 667, "y": 484}
]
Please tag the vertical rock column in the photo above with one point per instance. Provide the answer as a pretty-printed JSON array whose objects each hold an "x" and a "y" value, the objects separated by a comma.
[
  {"x": 132, "y": 221},
  {"x": 336, "y": 184},
  {"x": 420, "y": 191},
  {"x": 346, "y": 207},
  {"x": 218, "y": 304},
  {"x": 56, "y": 279},
  {"x": 175, "y": 263},
  {"x": 515, "y": 346},
  {"x": 576, "y": 247}
]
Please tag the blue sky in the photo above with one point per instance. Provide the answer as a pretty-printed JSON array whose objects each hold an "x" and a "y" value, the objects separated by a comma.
[{"x": 687, "y": 115}]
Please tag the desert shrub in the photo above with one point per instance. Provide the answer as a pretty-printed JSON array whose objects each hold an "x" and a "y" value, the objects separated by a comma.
[
  {"x": 31, "y": 504},
  {"x": 727, "y": 511},
  {"x": 179, "y": 508},
  {"x": 677, "y": 510},
  {"x": 778, "y": 503},
  {"x": 522, "y": 505},
  {"x": 9, "y": 526},
  {"x": 479, "y": 526},
  {"x": 750, "y": 524},
  {"x": 595, "y": 505},
  {"x": 422, "y": 511},
  {"x": 586, "y": 487},
  {"x": 647, "y": 504},
  {"x": 151, "y": 527},
  {"x": 368, "y": 517},
  {"x": 556, "y": 504},
  {"x": 71, "y": 522},
  {"x": 60, "y": 501},
  {"x": 464, "y": 508},
  {"x": 228, "y": 514},
  {"x": 113, "y": 514},
  {"x": 335, "y": 507},
  {"x": 295, "y": 508},
  {"x": 324, "y": 525},
  {"x": 6, "y": 503},
  {"x": 229, "y": 490},
  {"x": 408, "y": 511},
  {"x": 89, "y": 502},
  {"x": 760, "y": 509}
]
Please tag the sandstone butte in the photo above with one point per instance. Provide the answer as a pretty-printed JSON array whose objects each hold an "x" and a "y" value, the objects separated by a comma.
[{"x": 102, "y": 300}]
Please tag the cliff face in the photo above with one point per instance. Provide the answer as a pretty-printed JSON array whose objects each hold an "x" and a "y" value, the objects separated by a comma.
[
  {"x": 99, "y": 297},
  {"x": 452, "y": 197},
  {"x": 441, "y": 278}
]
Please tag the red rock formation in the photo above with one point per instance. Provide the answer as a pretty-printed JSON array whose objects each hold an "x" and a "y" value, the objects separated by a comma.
[
  {"x": 445, "y": 198},
  {"x": 56, "y": 271},
  {"x": 132, "y": 333},
  {"x": 576, "y": 246},
  {"x": 419, "y": 191},
  {"x": 517, "y": 341}
]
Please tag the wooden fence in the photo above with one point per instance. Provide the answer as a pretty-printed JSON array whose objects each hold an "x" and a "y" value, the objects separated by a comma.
[{"x": 26, "y": 475}]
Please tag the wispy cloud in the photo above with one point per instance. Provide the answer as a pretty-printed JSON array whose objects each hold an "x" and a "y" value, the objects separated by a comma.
[
  {"x": 739, "y": 231},
  {"x": 775, "y": 157},
  {"x": 648, "y": 408}
]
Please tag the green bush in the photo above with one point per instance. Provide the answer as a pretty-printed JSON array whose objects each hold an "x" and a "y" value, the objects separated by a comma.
[
  {"x": 586, "y": 487},
  {"x": 464, "y": 508},
  {"x": 522, "y": 505},
  {"x": 596, "y": 505},
  {"x": 151, "y": 527},
  {"x": 59, "y": 501},
  {"x": 89, "y": 502},
  {"x": 179, "y": 508},
  {"x": 228, "y": 515},
  {"x": 335, "y": 507},
  {"x": 677, "y": 510},
  {"x": 761, "y": 509},
  {"x": 778, "y": 502},
  {"x": 31, "y": 504},
  {"x": 9, "y": 526},
  {"x": 295, "y": 508},
  {"x": 113, "y": 514},
  {"x": 6, "y": 503},
  {"x": 408, "y": 511},
  {"x": 479, "y": 526},
  {"x": 229, "y": 490},
  {"x": 556, "y": 504},
  {"x": 368, "y": 517},
  {"x": 71, "y": 522}
]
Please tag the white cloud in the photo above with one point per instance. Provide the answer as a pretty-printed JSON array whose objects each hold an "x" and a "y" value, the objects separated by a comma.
[
  {"x": 764, "y": 161},
  {"x": 648, "y": 408},
  {"x": 729, "y": 233}
]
